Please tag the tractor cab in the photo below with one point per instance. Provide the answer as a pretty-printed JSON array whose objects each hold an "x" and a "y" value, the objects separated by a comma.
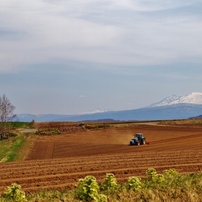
[{"x": 139, "y": 135}]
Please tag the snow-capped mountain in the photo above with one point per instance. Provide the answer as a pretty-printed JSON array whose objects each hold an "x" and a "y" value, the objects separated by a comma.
[
  {"x": 192, "y": 98},
  {"x": 173, "y": 107}
]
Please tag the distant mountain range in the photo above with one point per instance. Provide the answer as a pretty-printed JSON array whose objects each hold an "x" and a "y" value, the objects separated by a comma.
[{"x": 172, "y": 107}]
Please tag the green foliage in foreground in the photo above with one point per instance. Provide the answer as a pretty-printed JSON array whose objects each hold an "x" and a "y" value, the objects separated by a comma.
[
  {"x": 14, "y": 193},
  {"x": 168, "y": 186}
]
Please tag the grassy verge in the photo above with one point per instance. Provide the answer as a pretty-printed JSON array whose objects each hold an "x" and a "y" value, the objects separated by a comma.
[
  {"x": 4, "y": 147},
  {"x": 12, "y": 155},
  {"x": 16, "y": 148},
  {"x": 9, "y": 151}
]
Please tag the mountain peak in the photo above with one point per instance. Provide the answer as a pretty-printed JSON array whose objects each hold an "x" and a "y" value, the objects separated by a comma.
[{"x": 192, "y": 98}]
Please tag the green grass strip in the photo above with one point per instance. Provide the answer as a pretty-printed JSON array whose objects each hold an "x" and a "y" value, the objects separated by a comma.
[{"x": 11, "y": 151}]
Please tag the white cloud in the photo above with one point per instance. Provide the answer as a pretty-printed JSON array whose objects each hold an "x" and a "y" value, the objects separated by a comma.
[
  {"x": 148, "y": 5},
  {"x": 97, "y": 31}
]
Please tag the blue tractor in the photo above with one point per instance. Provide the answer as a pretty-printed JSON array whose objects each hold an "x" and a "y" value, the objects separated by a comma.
[{"x": 138, "y": 139}]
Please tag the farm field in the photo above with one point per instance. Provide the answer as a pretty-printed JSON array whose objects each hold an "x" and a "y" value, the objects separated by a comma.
[{"x": 59, "y": 161}]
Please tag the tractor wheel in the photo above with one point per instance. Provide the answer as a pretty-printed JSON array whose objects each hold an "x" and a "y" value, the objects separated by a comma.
[
  {"x": 143, "y": 142},
  {"x": 138, "y": 143}
]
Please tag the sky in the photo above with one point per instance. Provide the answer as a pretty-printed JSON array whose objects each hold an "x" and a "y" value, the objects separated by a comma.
[{"x": 75, "y": 56}]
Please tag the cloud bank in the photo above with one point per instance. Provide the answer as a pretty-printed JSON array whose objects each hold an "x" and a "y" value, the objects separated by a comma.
[{"x": 120, "y": 32}]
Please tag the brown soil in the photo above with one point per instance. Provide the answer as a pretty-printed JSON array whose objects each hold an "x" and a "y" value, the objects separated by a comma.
[{"x": 57, "y": 162}]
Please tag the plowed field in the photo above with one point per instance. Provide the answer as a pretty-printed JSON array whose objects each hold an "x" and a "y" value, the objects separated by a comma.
[{"x": 59, "y": 161}]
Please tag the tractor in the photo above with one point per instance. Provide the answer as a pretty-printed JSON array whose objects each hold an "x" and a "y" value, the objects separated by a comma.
[{"x": 138, "y": 139}]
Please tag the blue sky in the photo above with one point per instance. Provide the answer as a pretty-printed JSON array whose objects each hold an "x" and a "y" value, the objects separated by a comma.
[{"x": 75, "y": 56}]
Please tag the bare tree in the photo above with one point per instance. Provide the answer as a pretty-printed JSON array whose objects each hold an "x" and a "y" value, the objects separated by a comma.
[{"x": 6, "y": 115}]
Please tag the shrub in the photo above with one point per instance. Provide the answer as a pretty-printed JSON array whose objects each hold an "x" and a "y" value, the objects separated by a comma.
[
  {"x": 154, "y": 179},
  {"x": 170, "y": 173},
  {"x": 109, "y": 183},
  {"x": 88, "y": 190},
  {"x": 15, "y": 193},
  {"x": 134, "y": 183},
  {"x": 151, "y": 173}
]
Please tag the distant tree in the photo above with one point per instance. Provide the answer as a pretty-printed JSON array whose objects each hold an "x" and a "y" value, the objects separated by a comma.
[{"x": 6, "y": 115}]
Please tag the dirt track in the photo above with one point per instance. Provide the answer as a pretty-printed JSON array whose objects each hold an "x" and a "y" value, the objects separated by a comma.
[{"x": 59, "y": 161}]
